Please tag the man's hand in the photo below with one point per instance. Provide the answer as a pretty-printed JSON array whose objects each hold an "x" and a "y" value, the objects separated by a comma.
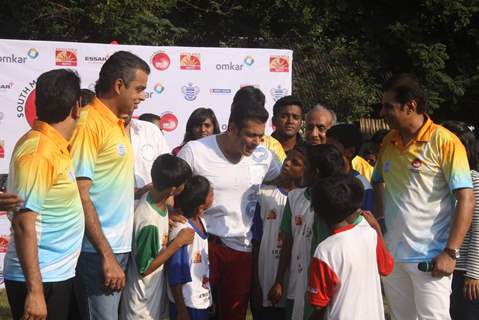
[
  {"x": 185, "y": 237},
  {"x": 443, "y": 265},
  {"x": 9, "y": 201},
  {"x": 471, "y": 288},
  {"x": 35, "y": 306},
  {"x": 113, "y": 273},
  {"x": 371, "y": 220},
  {"x": 139, "y": 192},
  {"x": 275, "y": 293}
]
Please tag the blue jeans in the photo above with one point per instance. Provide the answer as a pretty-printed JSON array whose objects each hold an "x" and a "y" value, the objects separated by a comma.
[
  {"x": 461, "y": 307},
  {"x": 95, "y": 302}
]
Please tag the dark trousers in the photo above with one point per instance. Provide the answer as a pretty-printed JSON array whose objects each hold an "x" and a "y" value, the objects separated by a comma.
[
  {"x": 58, "y": 296},
  {"x": 461, "y": 307}
]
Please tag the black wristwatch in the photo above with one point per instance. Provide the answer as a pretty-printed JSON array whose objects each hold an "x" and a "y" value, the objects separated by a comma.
[{"x": 453, "y": 253}]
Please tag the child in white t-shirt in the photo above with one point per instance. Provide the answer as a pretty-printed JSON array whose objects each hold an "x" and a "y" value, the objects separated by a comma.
[
  {"x": 188, "y": 269},
  {"x": 144, "y": 296},
  {"x": 267, "y": 241},
  {"x": 344, "y": 279}
]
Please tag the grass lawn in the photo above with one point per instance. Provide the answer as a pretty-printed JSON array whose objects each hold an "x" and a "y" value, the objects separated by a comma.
[{"x": 4, "y": 308}]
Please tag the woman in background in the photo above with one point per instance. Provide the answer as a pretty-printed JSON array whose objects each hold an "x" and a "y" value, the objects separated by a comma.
[
  {"x": 201, "y": 123},
  {"x": 465, "y": 281}
]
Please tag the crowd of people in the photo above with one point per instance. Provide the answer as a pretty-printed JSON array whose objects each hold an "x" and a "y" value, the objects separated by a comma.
[{"x": 109, "y": 223}]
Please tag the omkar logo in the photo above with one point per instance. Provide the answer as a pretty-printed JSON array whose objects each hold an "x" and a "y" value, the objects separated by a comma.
[
  {"x": 190, "y": 61},
  {"x": 66, "y": 57},
  {"x": 160, "y": 60},
  {"x": 26, "y": 103},
  {"x": 158, "y": 88},
  {"x": 32, "y": 54},
  {"x": 168, "y": 121},
  {"x": 278, "y": 63}
]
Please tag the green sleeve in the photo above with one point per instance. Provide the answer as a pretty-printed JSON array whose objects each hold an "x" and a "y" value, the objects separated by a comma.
[
  {"x": 286, "y": 220},
  {"x": 147, "y": 247}
]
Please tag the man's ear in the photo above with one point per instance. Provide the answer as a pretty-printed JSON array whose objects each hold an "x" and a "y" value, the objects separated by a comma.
[
  {"x": 233, "y": 128},
  {"x": 117, "y": 85},
  {"x": 75, "y": 112}
]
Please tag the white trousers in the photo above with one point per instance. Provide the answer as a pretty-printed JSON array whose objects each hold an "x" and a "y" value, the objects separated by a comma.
[{"x": 416, "y": 295}]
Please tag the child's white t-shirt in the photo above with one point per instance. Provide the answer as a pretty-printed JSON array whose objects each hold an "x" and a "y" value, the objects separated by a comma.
[
  {"x": 271, "y": 206},
  {"x": 145, "y": 297},
  {"x": 189, "y": 267},
  {"x": 344, "y": 274}
]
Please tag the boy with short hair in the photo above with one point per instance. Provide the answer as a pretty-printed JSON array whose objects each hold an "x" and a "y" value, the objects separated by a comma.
[
  {"x": 344, "y": 273},
  {"x": 144, "y": 295},
  {"x": 301, "y": 231},
  {"x": 267, "y": 241},
  {"x": 188, "y": 269}
]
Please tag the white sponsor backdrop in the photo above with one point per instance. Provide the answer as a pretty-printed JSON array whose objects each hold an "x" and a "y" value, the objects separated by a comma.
[{"x": 181, "y": 80}]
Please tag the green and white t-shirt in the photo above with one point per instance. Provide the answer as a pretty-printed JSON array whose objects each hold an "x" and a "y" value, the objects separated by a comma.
[{"x": 145, "y": 297}]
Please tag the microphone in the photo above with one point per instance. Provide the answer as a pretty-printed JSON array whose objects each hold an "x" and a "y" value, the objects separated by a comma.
[{"x": 425, "y": 266}]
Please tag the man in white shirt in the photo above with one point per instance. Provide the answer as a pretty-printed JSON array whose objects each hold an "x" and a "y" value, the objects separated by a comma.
[
  {"x": 148, "y": 143},
  {"x": 236, "y": 164}
]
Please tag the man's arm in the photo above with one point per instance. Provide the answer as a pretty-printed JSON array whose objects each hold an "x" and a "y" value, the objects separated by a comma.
[
  {"x": 112, "y": 271},
  {"x": 444, "y": 264},
  {"x": 25, "y": 235}
]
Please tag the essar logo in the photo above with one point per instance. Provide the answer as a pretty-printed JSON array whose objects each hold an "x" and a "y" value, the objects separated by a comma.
[
  {"x": 160, "y": 60},
  {"x": 278, "y": 63},
  {"x": 168, "y": 121},
  {"x": 66, "y": 57},
  {"x": 190, "y": 61}
]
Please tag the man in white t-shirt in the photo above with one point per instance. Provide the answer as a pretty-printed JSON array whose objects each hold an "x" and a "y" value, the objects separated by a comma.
[
  {"x": 236, "y": 164},
  {"x": 148, "y": 143}
]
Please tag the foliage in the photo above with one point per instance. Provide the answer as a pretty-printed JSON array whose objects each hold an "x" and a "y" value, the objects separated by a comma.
[{"x": 343, "y": 49}]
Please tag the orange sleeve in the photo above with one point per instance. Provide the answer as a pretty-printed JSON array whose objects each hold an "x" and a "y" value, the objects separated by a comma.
[
  {"x": 321, "y": 284},
  {"x": 384, "y": 259}
]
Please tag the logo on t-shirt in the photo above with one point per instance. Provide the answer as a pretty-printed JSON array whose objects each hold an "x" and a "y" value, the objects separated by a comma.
[
  {"x": 197, "y": 257},
  {"x": 298, "y": 220},
  {"x": 148, "y": 152},
  {"x": 260, "y": 154},
  {"x": 416, "y": 163},
  {"x": 387, "y": 166},
  {"x": 271, "y": 215},
  {"x": 121, "y": 149},
  {"x": 164, "y": 240}
]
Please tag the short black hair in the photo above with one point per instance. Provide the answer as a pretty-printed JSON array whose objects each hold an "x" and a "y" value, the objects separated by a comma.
[
  {"x": 193, "y": 195},
  {"x": 120, "y": 65},
  {"x": 287, "y": 101},
  {"x": 325, "y": 160},
  {"x": 462, "y": 131},
  {"x": 57, "y": 92},
  {"x": 150, "y": 117},
  {"x": 348, "y": 135},
  {"x": 248, "y": 104},
  {"x": 336, "y": 198},
  {"x": 196, "y": 119},
  {"x": 406, "y": 87},
  {"x": 169, "y": 171},
  {"x": 86, "y": 96}
]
